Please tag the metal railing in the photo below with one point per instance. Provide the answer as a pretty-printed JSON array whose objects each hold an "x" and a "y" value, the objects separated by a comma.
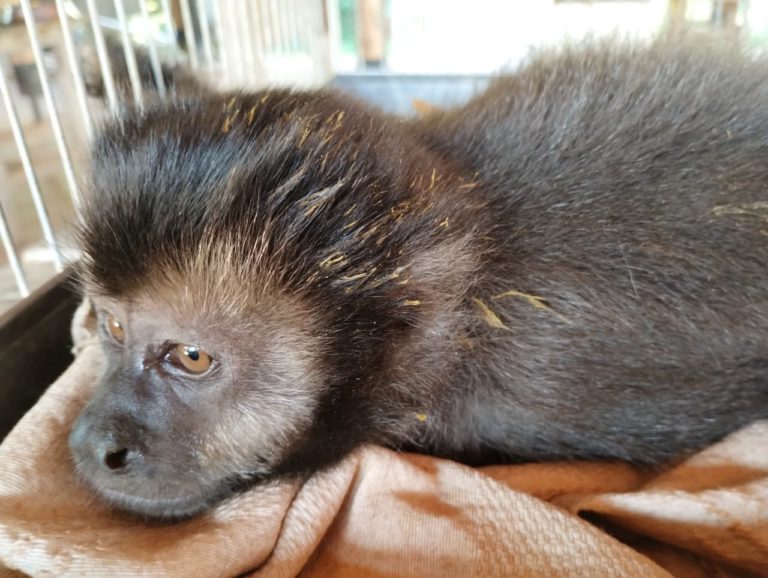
[{"x": 234, "y": 43}]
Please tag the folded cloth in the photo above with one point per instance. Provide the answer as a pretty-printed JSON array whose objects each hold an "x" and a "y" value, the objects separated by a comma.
[{"x": 383, "y": 513}]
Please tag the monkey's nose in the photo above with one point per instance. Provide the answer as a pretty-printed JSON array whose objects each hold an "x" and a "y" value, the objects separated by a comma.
[
  {"x": 101, "y": 448},
  {"x": 118, "y": 459},
  {"x": 114, "y": 456}
]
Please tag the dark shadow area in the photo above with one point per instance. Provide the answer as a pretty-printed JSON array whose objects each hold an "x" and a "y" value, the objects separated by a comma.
[{"x": 35, "y": 346}]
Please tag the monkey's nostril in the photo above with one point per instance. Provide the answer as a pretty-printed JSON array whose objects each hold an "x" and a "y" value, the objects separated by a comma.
[{"x": 116, "y": 459}]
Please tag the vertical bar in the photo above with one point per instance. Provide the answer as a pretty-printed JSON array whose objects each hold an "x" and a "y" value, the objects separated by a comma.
[
  {"x": 205, "y": 30},
  {"x": 274, "y": 26},
  {"x": 717, "y": 16},
  {"x": 13, "y": 256},
  {"x": 221, "y": 40},
  {"x": 154, "y": 59},
  {"x": 284, "y": 23},
  {"x": 258, "y": 39},
  {"x": 237, "y": 51},
  {"x": 266, "y": 31},
  {"x": 166, "y": 8},
  {"x": 189, "y": 34},
  {"x": 259, "y": 63},
  {"x": 103, "y": 56},
  {"x": 257, "y": 47},
  {"x": 58, "y": 133},
  {"x": 130, "y": 55},
  {"x": 74, "y": 69},
  {"x": 293, "y": 26},
  {"x": 29, "y": 172},
  {"x": 332, "y": 13},
  {"x": 247, "y": 44}
]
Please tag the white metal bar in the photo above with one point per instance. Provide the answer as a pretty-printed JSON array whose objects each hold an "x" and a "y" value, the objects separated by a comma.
[
  {"x": 205, "y": 31},
  {"x": 168, "y": 16},
  {"x": 293, "y": 25},
  {"x": 238, "y": 63},
  {"x": 258, "y": 65},
  {"x": 270, "y": 42},
  {"x": 274, "y": 26},
  {"x": 154, "y": 58},
  {"x": 13, "y": 256},
  {"x": 74, "y": 69},
  {"x": 58, "y": 133},
  {"x": 284, "y": 23},
  {"x": 333, "y": 16},
  {"x": 257, "y": 17},
  {"x": 29, "y": 172},
  {"x": 247, "y": 44},
  {"x": 222, "y": 43},
  {"x": 260, "y": 55},
  {"x": 130, "y": 54},
  {"x": 285, "y": 26},
  {"x": 718, "y": 15},
  {"x": 103, "y": 56},
  {"x": 189, "y": 34}
]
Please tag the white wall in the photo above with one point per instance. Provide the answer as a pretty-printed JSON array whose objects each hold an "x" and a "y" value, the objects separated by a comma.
[{"x": 457, "y": 36}]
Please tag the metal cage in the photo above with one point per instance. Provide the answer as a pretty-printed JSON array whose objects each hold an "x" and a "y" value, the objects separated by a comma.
[{"x": 57, "y": 51}]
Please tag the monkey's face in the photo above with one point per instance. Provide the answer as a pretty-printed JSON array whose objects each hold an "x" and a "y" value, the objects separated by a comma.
[{"x": 190, "y": 407}]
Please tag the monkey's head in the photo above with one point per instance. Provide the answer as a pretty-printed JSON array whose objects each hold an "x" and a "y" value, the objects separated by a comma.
[{"x": 257, "y": 263}]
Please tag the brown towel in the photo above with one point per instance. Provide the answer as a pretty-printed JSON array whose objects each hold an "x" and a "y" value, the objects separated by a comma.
[{"x": 382, "y": 513}]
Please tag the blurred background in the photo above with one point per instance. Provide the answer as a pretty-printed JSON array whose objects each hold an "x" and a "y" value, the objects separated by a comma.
[{"x": 66, "y": 64}]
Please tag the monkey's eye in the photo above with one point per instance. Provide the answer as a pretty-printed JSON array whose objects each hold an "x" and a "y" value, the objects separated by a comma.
[
  {"x": 190, "y": 358},
  {"x": 115, "y": 328}
]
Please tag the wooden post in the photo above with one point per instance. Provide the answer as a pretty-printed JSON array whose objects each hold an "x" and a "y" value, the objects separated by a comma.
[{"x": 371, "y": 35}]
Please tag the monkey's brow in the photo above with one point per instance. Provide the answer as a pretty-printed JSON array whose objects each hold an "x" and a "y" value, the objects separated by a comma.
[{"x": 166, "y": 345}]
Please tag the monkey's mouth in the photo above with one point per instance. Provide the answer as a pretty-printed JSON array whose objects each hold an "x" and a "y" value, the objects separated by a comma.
[
  {"x": 170, "y": 508},
  {"x": 147, "y": 499},
  {"x": 163, "y": 509}
]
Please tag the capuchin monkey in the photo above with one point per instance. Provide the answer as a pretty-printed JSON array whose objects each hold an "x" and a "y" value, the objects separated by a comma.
[{"x": 573, "y": 265}]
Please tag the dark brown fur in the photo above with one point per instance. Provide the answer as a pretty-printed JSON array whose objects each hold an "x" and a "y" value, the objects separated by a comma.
[{"x": 573, "y": 265}]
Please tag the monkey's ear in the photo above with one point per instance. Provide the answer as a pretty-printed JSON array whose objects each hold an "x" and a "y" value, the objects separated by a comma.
[{"x": 84, "y": 326}]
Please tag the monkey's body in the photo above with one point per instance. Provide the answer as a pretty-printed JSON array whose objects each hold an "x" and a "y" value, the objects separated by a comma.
[{"x": 573, "y": 265}]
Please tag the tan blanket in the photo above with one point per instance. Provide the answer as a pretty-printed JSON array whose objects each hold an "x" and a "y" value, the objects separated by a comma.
[{"x": 381, "y": 513}]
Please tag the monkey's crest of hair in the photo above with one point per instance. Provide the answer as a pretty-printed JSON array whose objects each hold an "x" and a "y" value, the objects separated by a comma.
[{"x": 245, "y": 194}]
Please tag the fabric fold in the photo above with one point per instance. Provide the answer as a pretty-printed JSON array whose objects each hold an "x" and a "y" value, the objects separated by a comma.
[{"x": 384, "y": 513}]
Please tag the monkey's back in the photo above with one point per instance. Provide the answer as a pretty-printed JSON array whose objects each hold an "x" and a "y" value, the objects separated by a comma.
[{"x": 629, "y": 188}]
